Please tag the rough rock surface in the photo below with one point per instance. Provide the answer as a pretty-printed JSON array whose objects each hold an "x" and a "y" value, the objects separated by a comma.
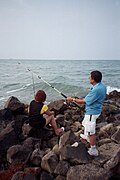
[{"x": 27, "y": 153}]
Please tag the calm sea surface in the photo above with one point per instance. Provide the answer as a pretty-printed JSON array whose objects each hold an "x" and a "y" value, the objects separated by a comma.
[{"x": 71, "y": 77}]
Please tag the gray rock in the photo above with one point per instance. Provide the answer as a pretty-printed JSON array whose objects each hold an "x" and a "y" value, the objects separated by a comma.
[
  {"x": 107, "y": 130},
  {"x": 59, "y": 177},
  {"x": 33, "y": 170},
  {"x": 46, "y": 176},
  {"x": 20, "y": 153},
  {"x": 36, "y": 157},
  {"x": 76, "y": 126},
  {"x": 58, "y": 106},
  {"x": 107, "y": 152},
  {"x": 62, "y": 168},
  {"x": 49, "y": 162},
  {"x": 15, "y": 105},
  {"x": 18, "y": 175},
  {"x": 67, "y": 138},
  {"x": 8, "y": 138},
  {"x": 53, "y": 141},
  {"x": 60, "y": 120},
  {"x": 6, "y": 116},
  {"x": 116, "y": 136},
  {"x": 104, "y": 141},
  {"x": 87, "y": 172},
  {"x": 113, "y": 162},
  {"x": 74, "y": 155}
]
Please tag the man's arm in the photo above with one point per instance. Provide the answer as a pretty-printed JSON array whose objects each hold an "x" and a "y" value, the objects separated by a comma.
[{"x": 79, "y": 101}]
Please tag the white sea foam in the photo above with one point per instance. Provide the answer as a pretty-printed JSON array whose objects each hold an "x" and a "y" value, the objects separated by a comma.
[
  {"x": 15, "y": 90},
  {"x": 2, "y": 98},
  {"x": 110, "y": 89}
]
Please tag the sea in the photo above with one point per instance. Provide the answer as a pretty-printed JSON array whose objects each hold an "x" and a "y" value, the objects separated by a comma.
[{"x": 21, "y": 78}]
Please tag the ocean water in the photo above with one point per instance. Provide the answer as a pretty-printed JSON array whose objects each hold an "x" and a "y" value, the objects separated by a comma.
[{"x": 71, "y": 77}]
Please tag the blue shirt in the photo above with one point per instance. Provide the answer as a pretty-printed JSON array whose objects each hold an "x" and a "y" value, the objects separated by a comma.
[{"x": 95, "y": 99}]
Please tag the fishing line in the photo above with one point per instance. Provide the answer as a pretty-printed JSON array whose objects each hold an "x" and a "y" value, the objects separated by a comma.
[{"x": 39, "y": 77}]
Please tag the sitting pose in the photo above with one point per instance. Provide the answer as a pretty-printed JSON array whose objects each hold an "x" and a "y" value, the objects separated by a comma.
[{"x": 40, "y": 116}]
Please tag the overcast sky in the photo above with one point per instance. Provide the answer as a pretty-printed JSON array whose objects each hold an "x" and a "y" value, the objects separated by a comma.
[{"x": 60, "y": 29}]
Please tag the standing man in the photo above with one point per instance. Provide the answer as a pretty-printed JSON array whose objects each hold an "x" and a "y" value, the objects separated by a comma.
[{"x": 93, "y": 107}]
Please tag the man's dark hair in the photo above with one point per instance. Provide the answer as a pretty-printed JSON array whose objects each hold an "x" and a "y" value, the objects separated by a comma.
[{"x": 97, "y": 76}]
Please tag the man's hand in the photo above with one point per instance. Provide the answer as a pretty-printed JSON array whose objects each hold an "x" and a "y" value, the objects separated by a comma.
[{"x": 70, "y": 99}]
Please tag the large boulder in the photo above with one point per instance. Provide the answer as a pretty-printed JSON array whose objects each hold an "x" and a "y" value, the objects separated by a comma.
[
  {"x": 116, "y": 136},
  {"x": 74, "y": 154},
  {"x": 15, "y": 105},
  {"x": 62, "y": 168},
  {"x": 6, "y": 116},
  {"x": 114, "y": 161},
  {"x": 20, "y": 153},
  {"x": 58, "y": 106},
  {"x": 114, "y": 94},
  {"x": 8, "y": 138},
  {"x": 49, "y": 162},
  {"x": 107, "y": 130},
  {"x": 67, "y": 138},
  {"x": 20, "y": 175},
  {"x": 107, "y": 152},
  {"x": 46, "y": 176},
  {"x": 87, "y": 172},
  {"x": 36, "y": 157}
]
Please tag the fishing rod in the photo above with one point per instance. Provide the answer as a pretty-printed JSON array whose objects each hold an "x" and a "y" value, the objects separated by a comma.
[{"x": 39, "y": 77}]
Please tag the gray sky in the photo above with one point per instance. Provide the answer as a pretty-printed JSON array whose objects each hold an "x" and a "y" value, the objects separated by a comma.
[{"x": 60, "y": 29}]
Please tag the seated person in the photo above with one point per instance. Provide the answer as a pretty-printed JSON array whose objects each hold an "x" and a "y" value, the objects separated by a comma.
[{"x": 40, "y": 116}]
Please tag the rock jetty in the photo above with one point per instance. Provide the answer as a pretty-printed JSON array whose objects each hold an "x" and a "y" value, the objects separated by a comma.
[{"x": 27, "y": 153}]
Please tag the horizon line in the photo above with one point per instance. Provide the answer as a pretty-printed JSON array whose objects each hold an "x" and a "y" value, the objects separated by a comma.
[{"x": 60, "y": 59}]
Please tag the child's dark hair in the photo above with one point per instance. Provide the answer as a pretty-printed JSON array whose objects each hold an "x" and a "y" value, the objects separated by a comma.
[
  {"x": 97, "y": 76},
  {"x": 40, "y": 96}
]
